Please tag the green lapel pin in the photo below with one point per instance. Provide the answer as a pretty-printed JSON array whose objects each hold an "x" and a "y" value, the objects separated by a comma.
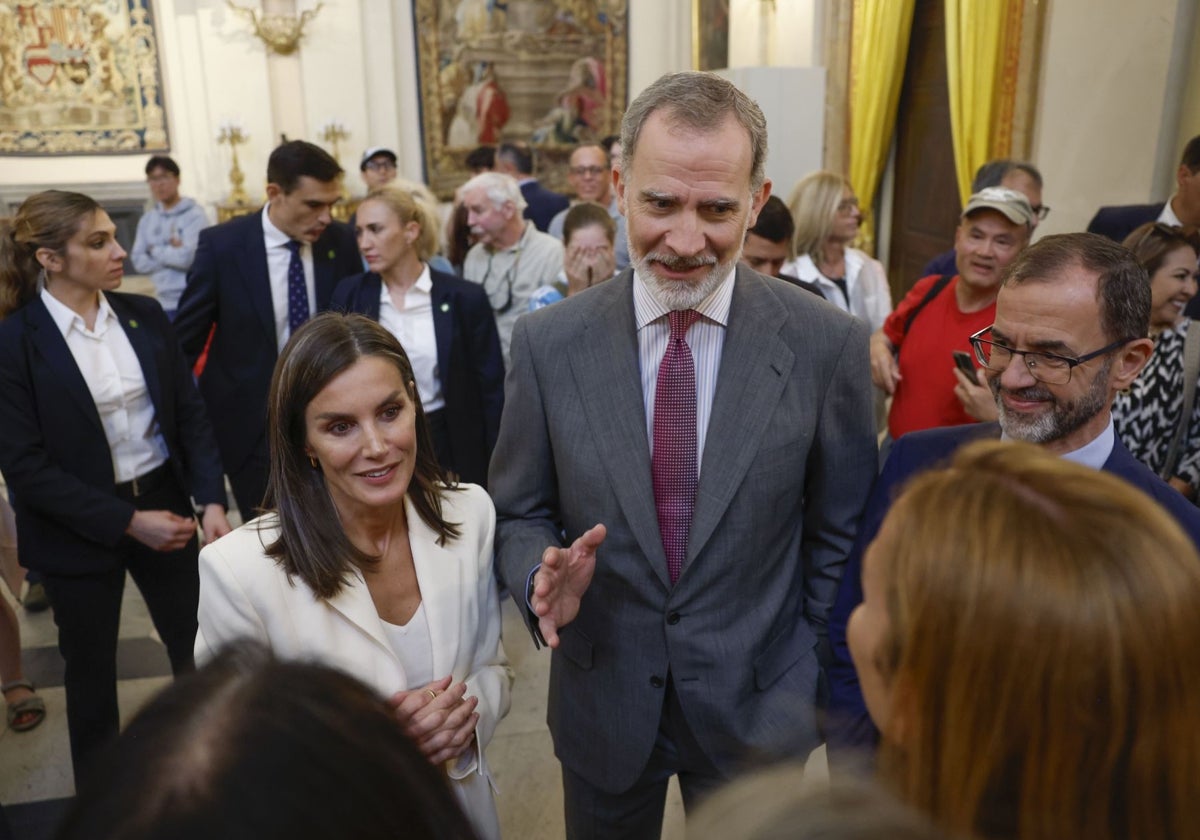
[
  {"x": 132, "y": 324},
  {"x": 445, "y": 307},
  {"x": 331, "y": 254}
]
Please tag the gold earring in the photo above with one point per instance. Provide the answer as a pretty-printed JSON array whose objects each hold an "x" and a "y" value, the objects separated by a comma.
[{"x": 312, "y": 461}]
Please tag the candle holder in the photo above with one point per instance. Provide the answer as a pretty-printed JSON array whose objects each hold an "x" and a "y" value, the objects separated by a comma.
[
  {"x": 233, "y": 136},
  {"x": 334, "y": 133}
]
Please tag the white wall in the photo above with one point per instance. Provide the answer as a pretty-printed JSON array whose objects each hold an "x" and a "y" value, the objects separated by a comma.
[{"x": 1103, "y": 77}]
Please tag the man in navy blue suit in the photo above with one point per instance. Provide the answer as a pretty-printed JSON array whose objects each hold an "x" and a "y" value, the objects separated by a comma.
[
  {"x": 1183, "y": 208},
  {"x": 1071, "y": 331},
  {"x": 541, "y": 204},
  {"x": 256, "y": 279}
]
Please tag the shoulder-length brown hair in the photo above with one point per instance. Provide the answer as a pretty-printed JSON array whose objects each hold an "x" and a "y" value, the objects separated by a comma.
[
  {"x": 1044, "y": 621},
  {"x": 312, "y": 544}
]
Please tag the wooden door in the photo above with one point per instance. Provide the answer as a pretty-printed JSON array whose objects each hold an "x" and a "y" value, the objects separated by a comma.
[{"x": 925, "y": 205}]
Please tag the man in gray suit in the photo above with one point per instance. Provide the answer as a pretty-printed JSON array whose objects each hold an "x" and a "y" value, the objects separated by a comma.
[{"x": 686, "y": 449}]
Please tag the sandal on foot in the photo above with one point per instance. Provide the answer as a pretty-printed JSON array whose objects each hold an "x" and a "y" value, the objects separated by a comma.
[{"x": 25, "y": 714}]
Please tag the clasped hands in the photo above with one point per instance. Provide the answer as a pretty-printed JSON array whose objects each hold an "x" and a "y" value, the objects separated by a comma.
[
  {"x": 439, "y": 717},
  {"x": 163, "y": 530}
]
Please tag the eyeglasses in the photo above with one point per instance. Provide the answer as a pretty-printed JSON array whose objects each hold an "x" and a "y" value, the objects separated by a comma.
[
  {"x": 1044, "y": 367},
  {"x": 503, "y": 290},
  {"x": 847, "y": 205},
  {"x": 587, "y": 170},
  {"x": 378, "y": 165},
  {"x": 1041, "y": 211}
]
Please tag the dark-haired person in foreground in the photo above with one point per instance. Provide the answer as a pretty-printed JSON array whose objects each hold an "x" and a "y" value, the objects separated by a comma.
[
  {"x": 370, "y": 561},
  {"x": 167, "y": 234},
  {"x": 251, "y": 748},
  {"x": 254, "y": 280},
  {"x": 1070, "y": 333}
]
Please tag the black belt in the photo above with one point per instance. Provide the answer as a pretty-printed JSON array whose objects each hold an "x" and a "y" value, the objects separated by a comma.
[{"x": 146, "y": 483}]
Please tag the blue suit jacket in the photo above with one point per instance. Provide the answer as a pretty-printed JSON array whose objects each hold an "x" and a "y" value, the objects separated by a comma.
[
  {"x": 850, "y": 728},
  {"x": 53, "y": 450},
  {"x": 470, "y": 364},
  {"x": 1118, "y": 222},
  {"x": 542, "y": 205},
  {"x": 229, "y": 287}
]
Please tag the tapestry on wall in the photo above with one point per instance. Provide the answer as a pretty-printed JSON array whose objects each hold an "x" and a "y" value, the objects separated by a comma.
[
  {"x": 551, "y": 73},
  {"x": 79, "y": 76}
]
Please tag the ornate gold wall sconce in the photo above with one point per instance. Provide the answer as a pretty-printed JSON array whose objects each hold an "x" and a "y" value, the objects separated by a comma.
[{"x": 280, "y": 33}]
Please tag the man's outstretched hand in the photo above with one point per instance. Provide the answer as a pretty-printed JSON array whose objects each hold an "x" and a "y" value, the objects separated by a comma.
[{"x": 560, "y": 583}]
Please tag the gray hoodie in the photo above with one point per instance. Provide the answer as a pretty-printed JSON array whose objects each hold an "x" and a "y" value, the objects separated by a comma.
[{"x": 154, "y": 254}]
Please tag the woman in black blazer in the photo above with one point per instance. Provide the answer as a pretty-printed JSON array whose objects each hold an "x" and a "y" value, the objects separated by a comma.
[
  {"x": 444, "y": 323},
  {"x": 103, "y": 439}
]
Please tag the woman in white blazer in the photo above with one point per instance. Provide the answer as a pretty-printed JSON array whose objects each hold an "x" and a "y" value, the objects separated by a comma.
[{"x": 369, "y": 561}]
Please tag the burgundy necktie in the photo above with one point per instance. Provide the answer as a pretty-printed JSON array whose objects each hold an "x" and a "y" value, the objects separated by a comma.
[{"x": 673, "y": 463}]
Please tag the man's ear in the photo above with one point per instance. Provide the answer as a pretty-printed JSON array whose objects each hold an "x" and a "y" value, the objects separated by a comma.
[
  {"x": 619, "y": 188},
  {"x": 274, "y": 191},
  {"x": 757, "y": 200},
  {"x": 1128, "y": 363}
]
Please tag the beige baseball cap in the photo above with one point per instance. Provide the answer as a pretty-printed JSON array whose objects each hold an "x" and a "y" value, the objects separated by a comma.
[{"x": 1013, "y": 205}]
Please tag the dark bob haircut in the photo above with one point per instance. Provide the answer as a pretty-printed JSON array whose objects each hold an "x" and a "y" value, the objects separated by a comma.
[
  {"x": 312, "y": 544},
  {"x": 249, "y": 748}
]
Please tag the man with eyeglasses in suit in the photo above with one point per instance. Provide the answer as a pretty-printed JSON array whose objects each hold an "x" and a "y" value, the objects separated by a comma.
[
  {"x": 590, "y": 175},
  {"x": 1070, "y": 332},
  {"x": 511, "y": 258}
]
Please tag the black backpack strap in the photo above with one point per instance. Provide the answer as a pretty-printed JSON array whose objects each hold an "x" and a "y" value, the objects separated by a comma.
[{"x": 936, "y": 289}]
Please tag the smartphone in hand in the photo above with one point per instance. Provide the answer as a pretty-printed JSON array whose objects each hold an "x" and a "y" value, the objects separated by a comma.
[{"x": 963, "y": 362}]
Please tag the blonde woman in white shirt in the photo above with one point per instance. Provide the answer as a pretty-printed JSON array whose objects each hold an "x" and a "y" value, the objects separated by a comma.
[{"x": 827, "y": 218}]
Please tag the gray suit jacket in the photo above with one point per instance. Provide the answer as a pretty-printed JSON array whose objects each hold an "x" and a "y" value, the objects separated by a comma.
[{"x": 788, "y": 463}]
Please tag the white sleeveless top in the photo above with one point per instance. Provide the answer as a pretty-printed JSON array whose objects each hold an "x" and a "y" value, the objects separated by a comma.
[{"x": 413, "y": 647}]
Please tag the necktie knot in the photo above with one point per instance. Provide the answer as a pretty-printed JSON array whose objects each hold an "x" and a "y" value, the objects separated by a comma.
[
  {"x": 293, "y": 246},
  {"x": 681, "y": 320}
]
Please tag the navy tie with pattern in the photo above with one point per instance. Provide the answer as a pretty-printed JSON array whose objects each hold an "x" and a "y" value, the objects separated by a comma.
[
  {"x": 673, "y": 463},
  {"x": 297, "y": 289}
]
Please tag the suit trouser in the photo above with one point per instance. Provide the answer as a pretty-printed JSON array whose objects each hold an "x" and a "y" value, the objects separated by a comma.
[
  {"x": 637, "y": 813},
  {"x": 249, "y": 483},
  {"x": 87, "y": 610}
]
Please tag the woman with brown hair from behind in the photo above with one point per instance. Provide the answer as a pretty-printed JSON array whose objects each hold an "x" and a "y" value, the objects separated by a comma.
[{"x": 1028, "y": 648}]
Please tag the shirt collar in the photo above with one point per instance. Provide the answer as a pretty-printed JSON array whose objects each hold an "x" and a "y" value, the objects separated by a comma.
[
  {"x": 715, "y": 307},
  {"x": 1093, "y": 454},
  {"x": 273, "y": 236},
  {"x": 424, "y": 284},
  {"x": 67, "y": 319},
  {"x": 1167, "y": 216}
]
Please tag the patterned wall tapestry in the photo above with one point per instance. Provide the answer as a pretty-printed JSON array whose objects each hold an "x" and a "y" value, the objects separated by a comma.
[
  {"x": 547, "y": 72},
  {"x": 79, "y": 76}
]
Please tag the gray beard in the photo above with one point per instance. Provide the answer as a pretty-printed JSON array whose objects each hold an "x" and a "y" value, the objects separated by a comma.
[
  {"x": 1062, "y": 419},
  {"x": 677, "y": 294}
]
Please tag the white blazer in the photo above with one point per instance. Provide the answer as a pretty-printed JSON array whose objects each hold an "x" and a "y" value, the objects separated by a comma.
[{"x": 245, "y": 594}]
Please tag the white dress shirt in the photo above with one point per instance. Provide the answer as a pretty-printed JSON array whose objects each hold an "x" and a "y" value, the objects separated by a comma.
[
  {"x": 279, "y": 257},
  {"x": 412, "y": 324},
  {"x": 118, "y": 387},
  {"x": 1167, "y": 216},
  {"x": 867, "y": 295},
  {"x": 706, "y": 338}
]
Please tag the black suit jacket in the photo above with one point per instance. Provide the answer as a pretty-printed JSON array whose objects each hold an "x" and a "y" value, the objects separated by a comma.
[
  {"x": 229, "y": 288},
  {"x": 542, "y": 205},
  {"x": 1118, "y": 222},
  {"x": 470, "y": 364},
  {"x": 53, "y": 451}
]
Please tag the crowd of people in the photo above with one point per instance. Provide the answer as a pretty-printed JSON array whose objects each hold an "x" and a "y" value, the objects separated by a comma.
[{"x": 750, "y": 505}]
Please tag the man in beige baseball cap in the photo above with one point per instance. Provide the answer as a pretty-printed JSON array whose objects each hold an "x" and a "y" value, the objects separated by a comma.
[{"x": 913, "y": 354}]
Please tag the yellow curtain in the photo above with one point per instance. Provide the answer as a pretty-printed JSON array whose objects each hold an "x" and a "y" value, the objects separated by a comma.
[
  {"x": 878, "y": 49},
  {"x": 983, "y": 41}
]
